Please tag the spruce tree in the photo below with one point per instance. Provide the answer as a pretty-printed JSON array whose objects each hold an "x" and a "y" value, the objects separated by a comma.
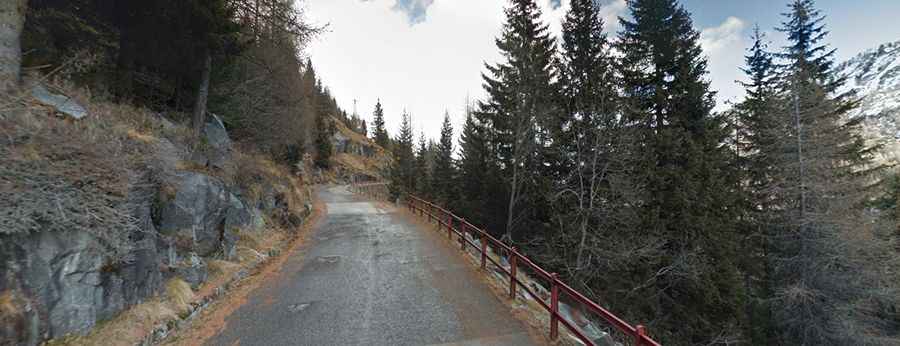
[
  {"x": 586, "y": 81},
  {"x": 589, "y": 211},
  {"x": 421, "y": 173},
  {"x": 379, "y": 133},
  {"x": 756, "y": 136},
  {"x": 444, "y": 175},
  {"x": 519, "y": 115},
  {"x": 686, "y": 183},
  {"x": 402, "y": 177},
  {"x": 477, "y": 175},
  {"x": 818, "y": 182}
]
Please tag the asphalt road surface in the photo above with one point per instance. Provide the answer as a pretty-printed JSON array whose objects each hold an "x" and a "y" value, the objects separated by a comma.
[{"x": 370, "y": 276}]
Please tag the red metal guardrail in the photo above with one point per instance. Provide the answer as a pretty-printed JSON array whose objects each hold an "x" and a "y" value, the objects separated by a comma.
[{"x": 447, "y": 219}]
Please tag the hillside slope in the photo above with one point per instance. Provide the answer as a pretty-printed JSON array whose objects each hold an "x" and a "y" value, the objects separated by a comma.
[
  {"x": 875, "y": 77},
  {"x": 357, "y": 157}
]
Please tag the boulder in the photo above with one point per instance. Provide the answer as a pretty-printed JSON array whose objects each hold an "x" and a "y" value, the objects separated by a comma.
[
  {"x": 205, "y": 217},
  {"x": 68, "y": 283},
  {"x": 65, "y": 282},
  {"x": 219, "y": 153},
  {"x": 61, "y": 103},
  {"x": 196, "y": 216}
]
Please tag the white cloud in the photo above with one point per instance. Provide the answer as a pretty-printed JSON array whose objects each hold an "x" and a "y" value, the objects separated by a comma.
[
  {"x": 372, "y": 52},
  {"x": 725, "y": 46},
  {"x": 715, "y": 39},
  {"x": 610, "y": 12}
]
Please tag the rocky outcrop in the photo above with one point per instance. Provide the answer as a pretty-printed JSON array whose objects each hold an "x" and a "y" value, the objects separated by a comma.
[
  {"x": 68, "y": 284},
  {"x": 54, "y": 283},
  {"x": 219, "y": 145},
  {"x": 204, "y": 216},
  {"x": 344, "y": 144}
]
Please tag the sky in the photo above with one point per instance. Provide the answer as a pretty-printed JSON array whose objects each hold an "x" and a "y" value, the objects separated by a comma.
[{"x": 427, "y": 56}]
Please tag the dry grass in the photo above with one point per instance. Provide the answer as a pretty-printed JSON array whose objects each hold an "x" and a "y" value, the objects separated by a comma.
[
  {"x": 60, "y": 176},
  {"x": 129, "y": 328},
  {"x": 220, "y": 268},
  {"x": 64, "y": 175},
  {"x": 179, "y": 294}
]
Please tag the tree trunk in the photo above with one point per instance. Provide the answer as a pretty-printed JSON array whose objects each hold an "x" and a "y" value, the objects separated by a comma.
[
  {"x": 199, "y": 118},
  {"x": 12, "y": 19}
]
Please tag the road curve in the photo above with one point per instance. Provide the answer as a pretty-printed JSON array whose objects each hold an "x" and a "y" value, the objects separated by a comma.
[{"x": 369, "y": 276}]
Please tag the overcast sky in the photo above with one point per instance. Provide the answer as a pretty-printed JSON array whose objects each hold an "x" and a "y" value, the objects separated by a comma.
[{"x": 427, "y": 56}]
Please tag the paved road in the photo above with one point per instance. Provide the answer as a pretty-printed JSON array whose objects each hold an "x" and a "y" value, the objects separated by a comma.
[{"x": 371, "y": 277}]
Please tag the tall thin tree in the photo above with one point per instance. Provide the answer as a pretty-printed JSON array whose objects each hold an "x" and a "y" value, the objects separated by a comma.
[
  {"x": 444, "y": 175},
  {"x": 519, "y": 111}
]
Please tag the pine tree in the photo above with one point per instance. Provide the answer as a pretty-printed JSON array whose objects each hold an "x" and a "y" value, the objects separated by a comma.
[
  {"x": 519, "y": 114},
  {"x": 818, "y": 183},
  {"x": 444, "y": 176},
  {"x": 402, "y": 177},
  {"x": 682, "y": 168},
  {"x": 379, "y": 133}
]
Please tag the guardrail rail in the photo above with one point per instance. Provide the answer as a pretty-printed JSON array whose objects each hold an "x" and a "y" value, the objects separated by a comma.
[{"x": 487, "y": 244}]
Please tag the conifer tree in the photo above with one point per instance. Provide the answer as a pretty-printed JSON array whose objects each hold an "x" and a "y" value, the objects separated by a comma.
[
  {"x": 586, "y": 81},
  {"x": 421, "y": 173},
  {"x": 477, "y": 175},
  {"x": 324, "y": 131},
  {"x": 589, "y": 210},
  {"x": 682, "y": 168},
  {"x": 519, "y": 114},
  {"x": 818, "y": 190},
  {"x": 402, "y": 171},
  {"x": 443, "y": 185},
  {"x": 756, "y": 134},
  {"x": 379, "y": 133}
]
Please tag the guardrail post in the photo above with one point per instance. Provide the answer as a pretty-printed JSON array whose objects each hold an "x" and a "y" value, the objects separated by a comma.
[
  {"x": 640, "y": 332},
  {"x": 462, "y": 237},
  {"x": 483, "y": 251},
  {"x": 449, "y": 222},
  {"x": 449, "y": 231},
  {"x": 554, "y": 306},
  {"x": 512, "y": 273}
]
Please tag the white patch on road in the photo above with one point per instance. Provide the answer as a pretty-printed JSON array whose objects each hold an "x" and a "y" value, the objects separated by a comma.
[{"x": 352, "y": 208}]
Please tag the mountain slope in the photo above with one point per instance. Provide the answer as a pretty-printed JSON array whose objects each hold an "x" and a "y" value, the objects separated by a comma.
[{"x": 875, "y": 76}]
